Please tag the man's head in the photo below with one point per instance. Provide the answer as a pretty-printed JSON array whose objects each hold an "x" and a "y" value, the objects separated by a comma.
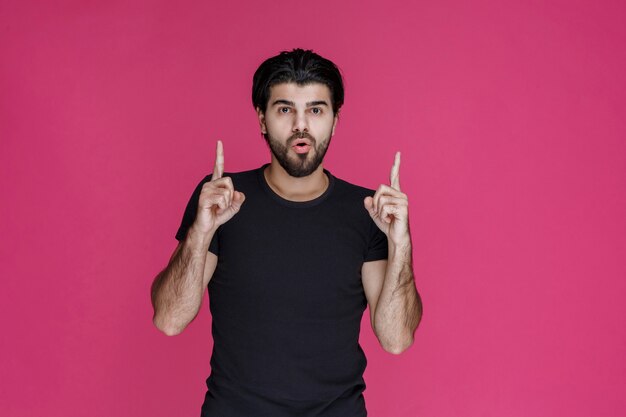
[
  {"x": 298, "y": 66},
  {"x": 297, "y": 96}
]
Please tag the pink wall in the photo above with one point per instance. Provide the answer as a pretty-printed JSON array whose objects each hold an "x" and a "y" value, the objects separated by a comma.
[{"x": 511, "y": 120}]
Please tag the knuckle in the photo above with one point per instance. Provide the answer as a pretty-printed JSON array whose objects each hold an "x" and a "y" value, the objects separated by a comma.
[{"x": 224, "y": 182}]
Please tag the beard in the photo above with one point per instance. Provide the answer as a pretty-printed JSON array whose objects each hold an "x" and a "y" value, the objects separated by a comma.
[{"x": 304, "y": 164}]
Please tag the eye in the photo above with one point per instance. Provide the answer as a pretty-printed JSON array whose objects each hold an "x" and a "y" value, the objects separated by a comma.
[
  {"x": 316, "y": 110},
  {"x": 283, "y": 110}
]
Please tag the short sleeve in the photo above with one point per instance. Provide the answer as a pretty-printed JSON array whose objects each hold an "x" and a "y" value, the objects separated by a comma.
[
  {"x": 190, "y": 215},
  {"x": 377, "y": 248}
]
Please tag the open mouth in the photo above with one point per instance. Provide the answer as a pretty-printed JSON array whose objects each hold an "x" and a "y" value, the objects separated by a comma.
[
  {"x": 301, "y": 145},
  {"x": 300, "y": 141}
]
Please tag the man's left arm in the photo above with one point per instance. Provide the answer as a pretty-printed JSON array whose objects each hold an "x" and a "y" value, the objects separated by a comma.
[{"x": 395, "y": 305}]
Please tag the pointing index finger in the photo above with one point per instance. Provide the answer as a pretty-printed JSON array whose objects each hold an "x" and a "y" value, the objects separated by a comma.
[
  {"x": 394, "y": 177},
  {"x": 218, "y": 170}
]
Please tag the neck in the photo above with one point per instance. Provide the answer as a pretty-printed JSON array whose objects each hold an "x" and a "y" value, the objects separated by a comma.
[{"x": 294, "y": 188}]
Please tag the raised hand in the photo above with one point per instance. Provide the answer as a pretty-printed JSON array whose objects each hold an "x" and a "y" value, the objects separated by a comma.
[
  {"x": 218, "y": 201},
  {"x": 389, "y": 208}
]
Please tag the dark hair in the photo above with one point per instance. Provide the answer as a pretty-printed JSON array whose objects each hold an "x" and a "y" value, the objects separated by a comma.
[{"x": 298, "y": 66}]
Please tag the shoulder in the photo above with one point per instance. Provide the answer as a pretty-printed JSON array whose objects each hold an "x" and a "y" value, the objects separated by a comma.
[
  {"x": 237, "y": 177},
  {"x": 251, "y": 174},
  {"x": 245, "y": 181},
  {"x": 347, "y": 189},
  {"x": 349, "y": 199}
]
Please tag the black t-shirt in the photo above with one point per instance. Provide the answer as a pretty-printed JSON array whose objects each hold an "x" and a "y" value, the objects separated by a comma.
[{"x": 287, "y": 301}]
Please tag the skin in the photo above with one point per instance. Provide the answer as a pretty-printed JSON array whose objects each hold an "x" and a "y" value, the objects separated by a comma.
[
  {"x": 292, "y": 108},
  {"x": 394, "y": 303}
]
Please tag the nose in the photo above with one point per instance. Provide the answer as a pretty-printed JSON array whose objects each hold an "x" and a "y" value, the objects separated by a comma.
[{"x": 300, "y": 123}]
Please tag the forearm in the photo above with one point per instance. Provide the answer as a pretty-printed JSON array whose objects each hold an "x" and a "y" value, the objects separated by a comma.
[
  {"x": 177, "y": 291},
  {"x": 399, "y": 307}
]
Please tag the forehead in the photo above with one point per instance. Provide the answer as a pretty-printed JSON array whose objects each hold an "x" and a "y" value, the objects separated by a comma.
[{"x": 300, "y": 93}]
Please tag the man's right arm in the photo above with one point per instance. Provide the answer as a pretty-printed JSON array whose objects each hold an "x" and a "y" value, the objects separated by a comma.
[{"x": 177, "y": 291}]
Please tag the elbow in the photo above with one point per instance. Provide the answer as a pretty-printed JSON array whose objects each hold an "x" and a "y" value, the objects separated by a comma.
[
  {"x": 171, "y": 331},
  {"x": 166, "y": 327},
  {"x": 399, "y": 346},
  {"x": 396, "y": 340}
]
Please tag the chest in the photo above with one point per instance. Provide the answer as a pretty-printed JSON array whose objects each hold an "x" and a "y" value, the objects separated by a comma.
[{"x": 292, "y": 261}]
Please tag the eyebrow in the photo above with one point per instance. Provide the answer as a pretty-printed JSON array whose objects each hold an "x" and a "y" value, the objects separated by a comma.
[{"x": 292, "y": 104}]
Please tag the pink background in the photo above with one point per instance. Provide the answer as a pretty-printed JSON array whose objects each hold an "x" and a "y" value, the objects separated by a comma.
[{"x": 510, "y": 117}]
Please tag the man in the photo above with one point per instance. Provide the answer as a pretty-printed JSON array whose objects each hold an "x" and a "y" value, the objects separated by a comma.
[{"x": 291, "y": 256}]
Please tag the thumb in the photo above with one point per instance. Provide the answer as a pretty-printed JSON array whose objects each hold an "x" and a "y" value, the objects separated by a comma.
[
  {"x": 369, "y": 205},
  {"x": 238, "y": 199}
]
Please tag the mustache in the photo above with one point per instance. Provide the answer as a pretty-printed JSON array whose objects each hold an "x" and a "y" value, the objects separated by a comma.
[{"x": 301, "y": 135}]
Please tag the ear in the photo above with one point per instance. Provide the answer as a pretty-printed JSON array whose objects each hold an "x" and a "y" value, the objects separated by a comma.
[
  {"x": 261, "y": 115},
  {"x": 335, "y": 119}
]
